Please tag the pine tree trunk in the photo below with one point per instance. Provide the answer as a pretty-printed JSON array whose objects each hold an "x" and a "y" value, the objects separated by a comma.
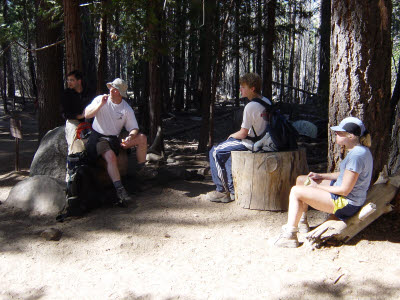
[
  {"x": 324, "y": 54},
  {"x": 205, "y": 76},
  {"x": 49, "y": 72},
  {"x": 360, "y": 73},
  {"x": 73, "y": 37},
  {"x": 102, "y": 63},
  {"x": 394, "y": 155},
  {"x": 269, "y": 41},
  {"x": 8, "y": 58},
  {"x": 155, "y": 128},
  {"x": 88, "y": 52}
]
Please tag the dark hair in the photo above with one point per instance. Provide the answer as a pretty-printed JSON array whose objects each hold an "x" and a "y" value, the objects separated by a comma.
[
  {"x": 252, "y": 80},
  {"x": 77, "y": 74}
]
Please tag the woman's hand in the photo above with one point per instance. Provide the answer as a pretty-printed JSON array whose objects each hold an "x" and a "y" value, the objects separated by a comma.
[{"x": 315, "y": 176}]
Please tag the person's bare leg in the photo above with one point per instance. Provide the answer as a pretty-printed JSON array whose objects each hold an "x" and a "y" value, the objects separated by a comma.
[
  {"x": 112, "y": 165},
  {"x": 140, "y": 142},
  {"x": 317, "y": 198}
]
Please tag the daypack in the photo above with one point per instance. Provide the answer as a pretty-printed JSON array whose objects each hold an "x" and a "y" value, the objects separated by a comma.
[
  {"x": 282, "y": 133},
  {"x": 82, "y": 193}
]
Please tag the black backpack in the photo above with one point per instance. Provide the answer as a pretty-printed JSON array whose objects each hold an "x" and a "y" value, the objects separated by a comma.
[
  {"x": 83, "y": 192},
  {"x": 283, "y": 134}
]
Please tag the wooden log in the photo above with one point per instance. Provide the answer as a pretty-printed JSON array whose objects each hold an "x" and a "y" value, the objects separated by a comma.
[
  {"x": 263, "y": 181},
  {"x": 336, "y": 232}
]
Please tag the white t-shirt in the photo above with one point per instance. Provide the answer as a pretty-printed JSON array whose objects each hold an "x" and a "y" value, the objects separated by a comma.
[
  {"x": 111, "y": 117},
  {"x": 254, "y": 115}
]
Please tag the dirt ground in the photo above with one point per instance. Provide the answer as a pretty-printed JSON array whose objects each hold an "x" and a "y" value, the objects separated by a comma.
[{"x": 175, "y": 245}]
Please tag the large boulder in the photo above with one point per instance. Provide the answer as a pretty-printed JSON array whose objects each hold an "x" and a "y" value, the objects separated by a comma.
[
  {"x": 50, "y": 158},
  {"x": 306, "y": 128},
  {"x": 39, "y": 194}
]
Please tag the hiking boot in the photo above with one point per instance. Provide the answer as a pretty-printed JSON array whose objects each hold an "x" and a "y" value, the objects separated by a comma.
[
  {"x": 286, "y": 239},
  {"x": 303, "y": 226},
  {"x": 215, "y": 196},
  {"x": 228, "y": 198},
  {"x": 123, "y": 197}
]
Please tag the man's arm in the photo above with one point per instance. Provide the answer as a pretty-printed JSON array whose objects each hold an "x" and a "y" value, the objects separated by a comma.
[
  {"x": 240, "y": 135},
  {"x": 91, "y": 110}
]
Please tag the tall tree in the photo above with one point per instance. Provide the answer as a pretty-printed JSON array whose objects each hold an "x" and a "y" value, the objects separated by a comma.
[
  {"x": 102, "y": 62},
  {"x": 324, "y": 53},
  {"x": 73, "y": 37},
  {"x": 269, "y": 39},
  {"x": 7, "y": 62},
  {"x": 154, "y": 41},
  {"x": 205, "y": 73},
  {"x": 49, "y": 68},
  {"x": 360, "y": 72}
]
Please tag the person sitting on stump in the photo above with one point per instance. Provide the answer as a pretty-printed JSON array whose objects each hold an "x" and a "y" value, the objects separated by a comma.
[
  {"x": 111, "y": 113},
  {"x": 342, "y": 193},
  {"x": 254, "y": 124}
]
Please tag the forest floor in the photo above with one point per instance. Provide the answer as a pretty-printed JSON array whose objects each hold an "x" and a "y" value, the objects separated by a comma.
[{"x": 175, "y": 245}]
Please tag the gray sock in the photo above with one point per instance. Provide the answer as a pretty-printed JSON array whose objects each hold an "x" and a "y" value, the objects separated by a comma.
[{"x": 118, "y": 184}]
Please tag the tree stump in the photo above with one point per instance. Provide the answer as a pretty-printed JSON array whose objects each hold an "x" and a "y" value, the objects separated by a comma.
[{"x": 263, "y": 181}]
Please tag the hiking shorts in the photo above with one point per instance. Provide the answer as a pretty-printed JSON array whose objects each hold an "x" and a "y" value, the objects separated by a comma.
[
  {"x": 343, "y": 209},
  {"x": 102, "y": 146}
]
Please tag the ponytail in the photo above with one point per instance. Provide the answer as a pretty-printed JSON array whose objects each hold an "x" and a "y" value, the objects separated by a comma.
[{"x": 365, "y": 140}]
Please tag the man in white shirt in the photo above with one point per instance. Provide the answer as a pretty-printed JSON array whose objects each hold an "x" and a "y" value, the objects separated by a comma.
[
  {"x": 111, "y": 113},
  {"x": 254, "y": 124}
]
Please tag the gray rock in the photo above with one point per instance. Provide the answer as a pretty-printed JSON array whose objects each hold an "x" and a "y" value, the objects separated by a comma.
[
  {"x": 50, "y": 158},
  {"x": 51, "y": 234},
  {"x": 39, "y": 194},
  {"x": 306, "y": 128}
]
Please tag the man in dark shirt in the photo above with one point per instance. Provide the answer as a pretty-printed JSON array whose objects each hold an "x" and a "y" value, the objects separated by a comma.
[{"x": 73, "y": 102}]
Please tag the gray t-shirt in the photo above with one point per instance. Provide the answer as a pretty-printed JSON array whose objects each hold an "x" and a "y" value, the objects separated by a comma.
[{"x": 359, "y": 160}]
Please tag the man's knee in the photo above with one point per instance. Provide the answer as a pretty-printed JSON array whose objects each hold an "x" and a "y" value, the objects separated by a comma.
[{"x": 141, "y": 139}]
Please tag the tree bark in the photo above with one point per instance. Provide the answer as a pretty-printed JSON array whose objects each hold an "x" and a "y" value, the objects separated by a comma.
[
  {"x": 205, "y": 75},
  {"x": 102, "y": 63},
  {"x": 8, "y": 58},
  {"x": 49, "y": 71},
  {"x": 324, "y": 54},
  {"x": 73, "y": 36},
  {"x": 394, "y": 155},
  {"x": 360, "y": 73},
  {"x": 154, "y": 40},
  {"x": 269, "y": 41},
  {"x": 89, "y": 51}
]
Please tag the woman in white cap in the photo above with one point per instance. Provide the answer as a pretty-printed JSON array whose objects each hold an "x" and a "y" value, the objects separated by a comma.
[{"x": 342, "y": 193}]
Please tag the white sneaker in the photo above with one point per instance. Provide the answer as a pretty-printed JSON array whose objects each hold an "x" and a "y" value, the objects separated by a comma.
[{"x": 286, "y": 239}]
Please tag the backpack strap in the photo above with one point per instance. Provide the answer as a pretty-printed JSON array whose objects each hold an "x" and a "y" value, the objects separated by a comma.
[{"x": 268, "y": 107}]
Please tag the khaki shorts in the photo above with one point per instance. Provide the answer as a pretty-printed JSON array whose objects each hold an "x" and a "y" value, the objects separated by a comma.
[{"x": 102, "y": 146}]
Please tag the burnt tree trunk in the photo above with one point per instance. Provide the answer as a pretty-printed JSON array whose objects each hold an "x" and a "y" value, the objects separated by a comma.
[
  {"x": 205, "y": 75},
  {"x": 154, "y": 39},
  {"x": 324, "y": 54},
  {"x": 269, "y": 40},
  {"x": 49, "y": 71},
  {"x": 360, "y": 73},
  {"x": 72, "y": 33},
  {"x": 102, "y": 63}
]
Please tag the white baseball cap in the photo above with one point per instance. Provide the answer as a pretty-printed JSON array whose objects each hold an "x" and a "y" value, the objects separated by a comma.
[{"x": 351, "y": 125}]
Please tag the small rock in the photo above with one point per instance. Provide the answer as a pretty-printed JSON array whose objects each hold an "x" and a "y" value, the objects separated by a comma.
[
  {"x": 51, "y": 234},
  {"x": 167, "y": 236},
  {"x": 153, "y": 157}
]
